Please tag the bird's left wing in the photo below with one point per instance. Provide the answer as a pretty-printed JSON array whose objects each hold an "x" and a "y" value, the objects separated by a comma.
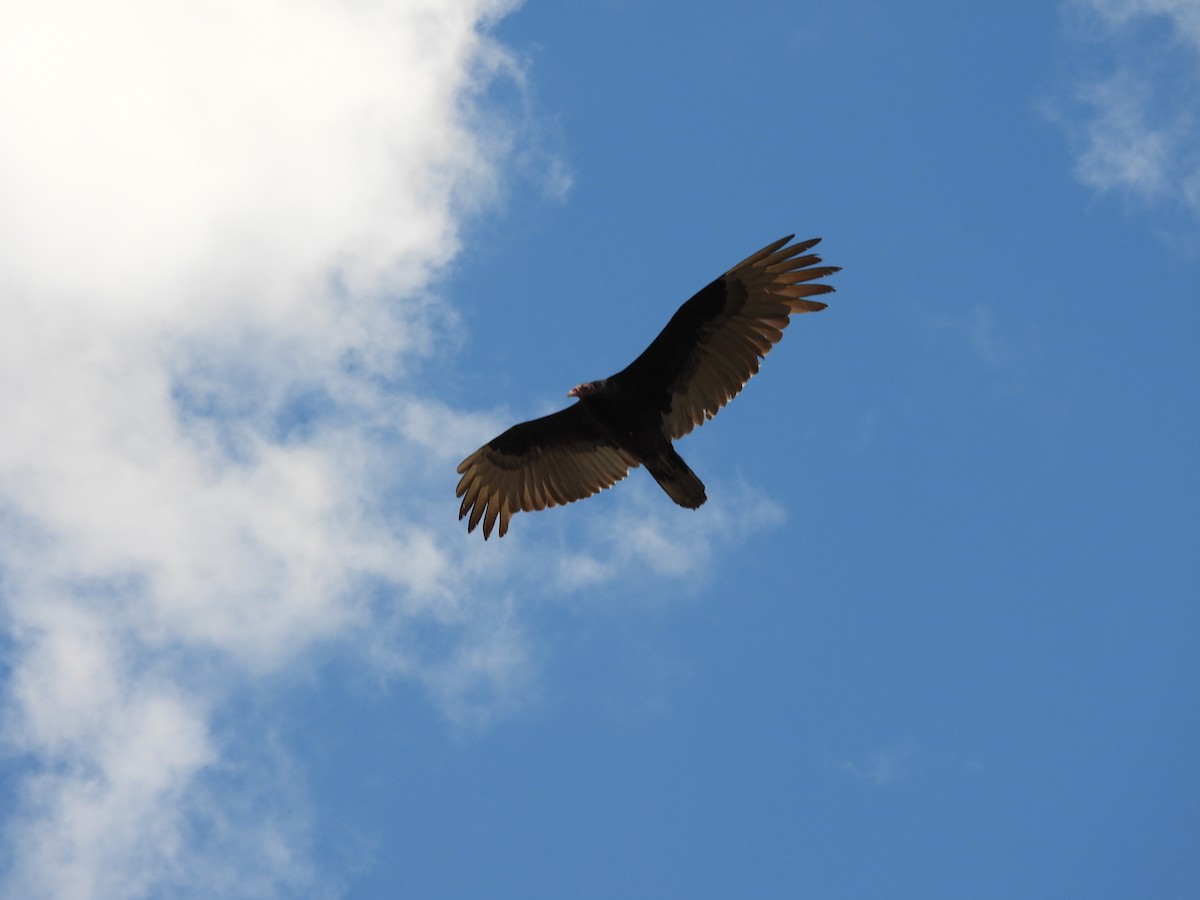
[
  {"x": 549, "y": 461},
  {"x": 713, "y": 343}
]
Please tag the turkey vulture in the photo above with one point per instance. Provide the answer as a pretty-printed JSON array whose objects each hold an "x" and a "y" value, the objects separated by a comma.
[{"x": 699, "y": 362}]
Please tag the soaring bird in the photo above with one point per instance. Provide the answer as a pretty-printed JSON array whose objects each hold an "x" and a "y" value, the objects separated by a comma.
[{"x": 697, "y": 364}]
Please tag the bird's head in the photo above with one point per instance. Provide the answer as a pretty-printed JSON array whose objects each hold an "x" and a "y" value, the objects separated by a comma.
[{"x": 584, "y": 390}]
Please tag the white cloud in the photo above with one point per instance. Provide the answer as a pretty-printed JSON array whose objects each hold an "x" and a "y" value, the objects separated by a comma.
[
  {"x": 1122, "y": 148},
  {"x": 219, "y": 227},
  {"x": 1133, "y": 122}
]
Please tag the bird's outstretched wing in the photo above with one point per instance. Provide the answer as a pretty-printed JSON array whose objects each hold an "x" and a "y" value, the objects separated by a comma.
[
  {"x": 713, "y": 343},
  {"x": 549, "y": 461}
]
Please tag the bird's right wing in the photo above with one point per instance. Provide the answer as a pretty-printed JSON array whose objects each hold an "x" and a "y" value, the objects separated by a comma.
[{"x": 549, "y": 461}]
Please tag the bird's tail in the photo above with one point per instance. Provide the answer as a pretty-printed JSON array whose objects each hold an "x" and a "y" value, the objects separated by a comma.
[{"x": 674, "y": 477}]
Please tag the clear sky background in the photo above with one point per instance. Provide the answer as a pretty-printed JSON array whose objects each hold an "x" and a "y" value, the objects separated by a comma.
[{"x": 270, "y": 270}]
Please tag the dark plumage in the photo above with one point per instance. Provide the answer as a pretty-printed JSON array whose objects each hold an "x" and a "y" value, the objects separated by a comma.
[{"x": 697, "y": 364}]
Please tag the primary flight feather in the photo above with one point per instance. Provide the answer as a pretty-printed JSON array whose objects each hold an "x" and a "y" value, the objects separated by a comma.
[{"x": 697, "y": 364}]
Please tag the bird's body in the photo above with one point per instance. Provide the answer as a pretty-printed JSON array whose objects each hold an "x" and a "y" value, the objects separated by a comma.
[
  {"x": 630, "y": 419},
  {"x": 709, "y": 349}
]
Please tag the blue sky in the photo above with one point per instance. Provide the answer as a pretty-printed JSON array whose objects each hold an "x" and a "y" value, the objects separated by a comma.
[{"x": 269, "y": 272}]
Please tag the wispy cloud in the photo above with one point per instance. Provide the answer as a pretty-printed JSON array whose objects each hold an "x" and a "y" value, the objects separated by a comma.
[
  {"x": 1133, "y": 119},
  {"x": 647, "y": 535},
  {"x": 1001, "y": 346},
  {"x": 903, "y": 761},
  {"x": 881, "y": 768},
  {"x": 220, "y": 229}
]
